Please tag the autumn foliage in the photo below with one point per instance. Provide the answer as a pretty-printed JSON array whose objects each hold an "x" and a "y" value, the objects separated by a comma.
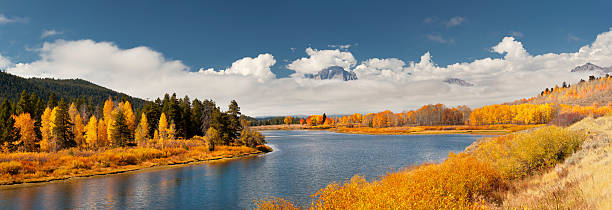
[{"x": 464, "y": 181}]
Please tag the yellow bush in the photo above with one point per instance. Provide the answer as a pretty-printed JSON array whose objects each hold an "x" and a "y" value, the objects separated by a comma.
[
  {"x": 456, "y": 183},
  {"x": 10, "y": 167},
  {"x": 520, "y": 154}
]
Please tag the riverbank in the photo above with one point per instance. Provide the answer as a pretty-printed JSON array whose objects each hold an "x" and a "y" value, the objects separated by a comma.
[
  {"x": 410, "y": 130},
  {"x": 519, "y": 170},
  {"x": 24, "y": 168}
]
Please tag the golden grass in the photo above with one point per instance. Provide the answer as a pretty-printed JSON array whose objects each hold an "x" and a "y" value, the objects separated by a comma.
[
  {"x": 446, "y": 129},
  {"x": 583, "y": 181},
  {"x": 39, "y": 167}
]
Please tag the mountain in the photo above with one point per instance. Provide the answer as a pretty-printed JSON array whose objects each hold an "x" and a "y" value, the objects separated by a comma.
[
  {"x": 333, "y": 72},
  {"x": 11, "y": 87},
  {"x": 589, "y": 67},
  {"x": 457, "y": 81}
]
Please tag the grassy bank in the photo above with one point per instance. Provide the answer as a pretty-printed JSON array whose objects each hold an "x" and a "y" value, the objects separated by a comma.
[
  {"x": 451, "y": 129},
  {"x": 32, "y": 167},
  {"x": 582, "y": 181},
  {"x": 407, "y": 130},
  {"x": 480, "y": 177}
]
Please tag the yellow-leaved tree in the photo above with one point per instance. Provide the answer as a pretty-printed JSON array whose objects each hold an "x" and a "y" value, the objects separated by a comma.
[
  {"x": 78, "y": 128},
  {"x": 142, "y": 130},
  {"x": 130, "y": 118},
  {"x": 162, "y": 129},
  {"x": 28, "y": 138},
  {"x": 102, "y": 134},
  {"x": 91, "y": 132},
  {"x": 45, "y": 129}
]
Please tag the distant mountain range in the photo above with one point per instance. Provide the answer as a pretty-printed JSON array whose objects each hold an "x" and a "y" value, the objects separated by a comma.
[
  {"x": 333, "y": 73},
  {"x": 11, "y": 87},
  {"x": 589, "y": 67},
  {"x": 457, "y": 81}
]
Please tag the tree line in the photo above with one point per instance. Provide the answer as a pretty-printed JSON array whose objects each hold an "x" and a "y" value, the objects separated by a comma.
[{"x": 30, "y": 126}]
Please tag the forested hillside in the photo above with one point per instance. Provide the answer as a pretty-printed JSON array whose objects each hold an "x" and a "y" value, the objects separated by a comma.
[{"x": 11, "y": 87}]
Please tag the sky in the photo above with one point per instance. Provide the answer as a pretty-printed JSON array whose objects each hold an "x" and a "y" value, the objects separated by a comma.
[{"x": 258, "y": 51}]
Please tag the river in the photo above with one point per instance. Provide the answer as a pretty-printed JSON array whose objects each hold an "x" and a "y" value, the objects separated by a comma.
[{"x": 302, "y": 163}]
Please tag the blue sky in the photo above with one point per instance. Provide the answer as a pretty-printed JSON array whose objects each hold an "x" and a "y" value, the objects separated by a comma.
[
  {"x": 215, "y": 33},
  {"x": 402, "y": 51}
]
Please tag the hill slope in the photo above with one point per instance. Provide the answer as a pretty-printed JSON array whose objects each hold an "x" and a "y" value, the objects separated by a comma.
[{"x": 11, "y": 87}]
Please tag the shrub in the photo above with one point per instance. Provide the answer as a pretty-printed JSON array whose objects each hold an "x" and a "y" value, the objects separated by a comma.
[
  {"x": 11, "y": 167},
  {"x": 521, "y": 154},
  {"x": 273, "y": 203}
]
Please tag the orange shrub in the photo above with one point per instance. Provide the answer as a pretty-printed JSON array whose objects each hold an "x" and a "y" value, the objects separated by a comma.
[{"x": 456, "y": 183}]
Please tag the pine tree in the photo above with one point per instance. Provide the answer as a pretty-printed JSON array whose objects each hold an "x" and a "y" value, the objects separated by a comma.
[
  {"x": 62, "y": 127},
  {"x": 24, "y": 104},
  {"x": 234, "y": 126},
  {"x": 8, "y": 133},
  {"x": 119, "y": 130},
  {"x": 51, "y": 102}
]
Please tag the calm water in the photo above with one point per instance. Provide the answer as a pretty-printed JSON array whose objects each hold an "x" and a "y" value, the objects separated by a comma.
[{"x": 302, "y": 163}]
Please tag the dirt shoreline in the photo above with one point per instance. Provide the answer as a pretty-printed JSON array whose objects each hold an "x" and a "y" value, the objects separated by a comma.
[{"x": 128, "y": 170}]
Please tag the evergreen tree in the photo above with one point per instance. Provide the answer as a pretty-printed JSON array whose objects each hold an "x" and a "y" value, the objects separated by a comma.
[
  {"x": 62, "y": 128},
  {"x": 51, "y": 102},
  {"x": 186, "y": 128},
  {"x": 196, "y": 116},
  {"x": 120, "y": 132},
  {"x": 8, "y": 133},
  {"x": 234, "y": 126},
  {"x": 208, "y": 107},
  {"x": 24, "y": 104}
]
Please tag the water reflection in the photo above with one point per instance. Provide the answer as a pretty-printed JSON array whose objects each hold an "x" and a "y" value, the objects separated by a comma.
[{"x": 303, "y": 162}]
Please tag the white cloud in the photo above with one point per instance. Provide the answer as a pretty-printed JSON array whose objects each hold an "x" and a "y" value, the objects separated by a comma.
[
  {"x": 388, "y": 69},
  {"x": 439, "y": 39},
  {"x": 571, "y": 37},
  {"x": 455, "y": 21},
  {"x": 340, "y": 46},
  {"x": 429, "y": 20},
  {"x": 4, "y": 62},
  {"x": 258, "y": 68},
  {"x": 516, "y": 34},
  {"x": 513, "y": 49},
  {"x": 388, "y": 83},
  {"x": 5, "y": 20},
  {"x": 48, "y": 33},
  {"x": 320, "y": 59}
]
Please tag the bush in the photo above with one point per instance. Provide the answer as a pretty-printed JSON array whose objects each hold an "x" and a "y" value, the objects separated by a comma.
[
  {"x": 458, "y": 182},
  {"x": 11, "y": 167},
  {"x": 521, "y": 154}
]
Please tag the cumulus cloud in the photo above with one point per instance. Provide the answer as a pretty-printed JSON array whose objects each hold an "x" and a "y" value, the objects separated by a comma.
[
  {"x": 455, "y": 21},
  {"x": 320, "y": 59},
  {"x": 384, "y": 83},
  {"x": 48, "y": 33},
  {"x": 258, "y": 68}
]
